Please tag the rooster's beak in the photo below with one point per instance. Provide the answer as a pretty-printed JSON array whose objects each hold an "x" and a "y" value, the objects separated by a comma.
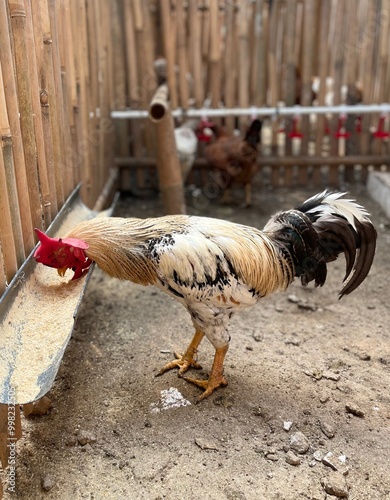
[{"x": 62, "y": 271}]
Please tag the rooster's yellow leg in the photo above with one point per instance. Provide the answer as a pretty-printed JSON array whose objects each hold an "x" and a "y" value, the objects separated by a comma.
[
  {"x": 216, "y": 378},
  {"x": 189, "y": 358}
]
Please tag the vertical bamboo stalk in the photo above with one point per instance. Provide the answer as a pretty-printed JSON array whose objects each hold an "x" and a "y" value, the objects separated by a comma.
[
  {"x": 182, "y": 55},
  {"x": 195, "y": 51},
  {"x": 79, "y": 28},
  {"x": 337, "y": 71},
  {"x": 11, "y": 224},
  {"x": 290, "y": 80},
  {"x": 258, "y": 81},
  {"x": 50, "y": 103},
  {"x": 9, "y": 210},
  {"x": 230, "y": 70},
  {"x": 93, "y": 131},
  {"x": 64, "y": 165},
  {"x": 214, "y": 55},
  {"x": 169, "y": 50},
  {"x": 322, "y": 74},
  {"x": 243, "y": 51},
  {"x": 13, "y": 151},
  {"x": 18, "y": 23},
  {"x": 35, "y": 54}
]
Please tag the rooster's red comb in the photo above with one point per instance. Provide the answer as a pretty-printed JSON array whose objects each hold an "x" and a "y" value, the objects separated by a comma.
[{"x": 62, "y": 253}]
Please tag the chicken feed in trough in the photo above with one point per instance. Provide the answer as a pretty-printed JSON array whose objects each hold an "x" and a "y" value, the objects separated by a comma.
[{"x": 38, "y": 313}]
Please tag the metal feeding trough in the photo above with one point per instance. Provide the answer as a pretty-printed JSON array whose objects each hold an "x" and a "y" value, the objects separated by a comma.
[{"x": 37, "y": 316}]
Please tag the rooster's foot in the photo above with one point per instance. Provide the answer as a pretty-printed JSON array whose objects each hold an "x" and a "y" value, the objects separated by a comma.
[
  {"x": 208, "y": 385},
  {"x": 183, "y": 362}
]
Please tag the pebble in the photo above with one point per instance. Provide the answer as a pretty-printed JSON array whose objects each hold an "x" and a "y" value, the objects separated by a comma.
[
  {"x": 292, "y": 459},
  {"x": 287, "y": 425},
  {"x": 272, "y": 456},
  {"x": 354, "y": 409},
  {"x": 328, "y": 374},
  {"x": 335, "y": 485},
  {"x": 299, "y": 442},
  {"x": 329, "y": 461},
  {"x": 318, "y": 455},
  {"x": 327, "y": 428},
  {"x": 308, "y": 307},
  {"x": 47, "y": 482},
  {"x": 293, "y": 298},
  {"x": 205, "y": 445},
  {"x": 86, "y": 437}
]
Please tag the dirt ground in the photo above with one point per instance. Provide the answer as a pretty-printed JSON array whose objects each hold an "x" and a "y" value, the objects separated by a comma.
[{"x": 306, "y": 372}]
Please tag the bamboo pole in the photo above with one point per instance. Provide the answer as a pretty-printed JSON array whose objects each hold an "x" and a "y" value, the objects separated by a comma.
[
  {"x": 64, "y": 164},
  {"x": 50, "y": 104},
  {"x": 18, "y": 23},
  {"x": 11, "y": 224},
  {"x": 12, "y": 144},
  {"x": 168, "y": 166},
  {"x": 230, "y": 70},
  {"x": 169, "y": 49},
  {"x": 123, "y": 37},
  {"x": 35, "y": 56},
  {"x": 243, "y": 51},
  {"x": 182, "y": 55},
  {"x": 214, "y": 55},
  {"x": 9, "y": 221},
  {"x": 258, "y": 80},
  {"x": 84, "y": 147},
  {"x": 195, "y": 51}
]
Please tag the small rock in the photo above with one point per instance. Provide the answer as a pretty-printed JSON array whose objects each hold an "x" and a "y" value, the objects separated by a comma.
[
  {"x": 328, "y": 374},
  {"x": 258, "y": 337},
  {"x": 354, "y": 409},
  {"x": 47, "y": 482},
  {"x": 71, "y": 441},
  {"x": 299, "y": 442},
  {"x": 329, "y": 461},
  {"x": 292, "y": 459},
  {"x": 308, "y": 307},
  {"x": 287, "y": 425},
  {"x": 272, "y": 456},
  {"x": 205, "y": 445},
  {"x": 324, "y": 398},
  {"x": 293, "y": 298},
  {"x": 318, "y": 455},
  {"x": 364, "y": 356},
  {"x": 294, "y": 342},
  {"x": 327, "y": 428},
  {"x": 335, "y": 485},
  {"x": 86, "y": 437}
]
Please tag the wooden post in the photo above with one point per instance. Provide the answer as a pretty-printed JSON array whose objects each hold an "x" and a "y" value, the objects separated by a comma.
[{"x": 169, "y": 171}]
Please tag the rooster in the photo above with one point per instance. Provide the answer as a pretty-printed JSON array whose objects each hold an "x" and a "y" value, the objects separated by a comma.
[
  {"x": 236, "y": 157},
  {"x": 214, "y": 267}
]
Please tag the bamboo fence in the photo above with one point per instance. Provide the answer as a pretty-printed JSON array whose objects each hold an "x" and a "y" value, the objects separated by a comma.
[
  {"x": 57, "y": 88},
  {"x": 242, "y": 53},
  {"x": 66, "y": 64}
]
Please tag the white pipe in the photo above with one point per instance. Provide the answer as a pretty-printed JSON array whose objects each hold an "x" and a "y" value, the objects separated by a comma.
[{"x": 274, "y": 112}]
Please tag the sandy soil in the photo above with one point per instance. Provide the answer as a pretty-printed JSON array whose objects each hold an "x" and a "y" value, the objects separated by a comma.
[{"x": 300, "y": 362}]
